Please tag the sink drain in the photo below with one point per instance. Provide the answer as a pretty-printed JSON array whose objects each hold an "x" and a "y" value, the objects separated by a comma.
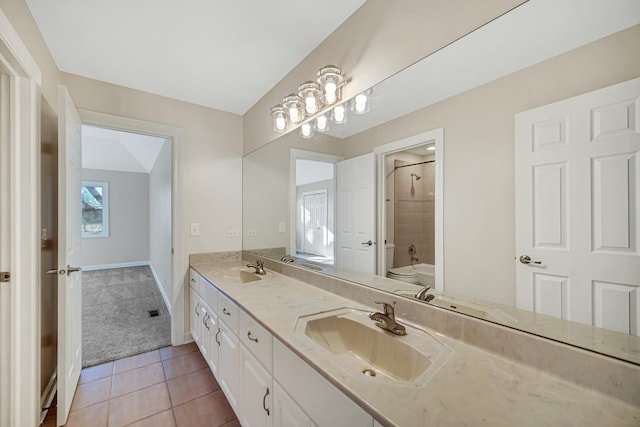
[{"x": 369, "y": 372}]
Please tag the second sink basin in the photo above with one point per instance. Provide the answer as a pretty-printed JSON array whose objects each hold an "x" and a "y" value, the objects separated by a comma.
[{"x": 359, "y": 346}]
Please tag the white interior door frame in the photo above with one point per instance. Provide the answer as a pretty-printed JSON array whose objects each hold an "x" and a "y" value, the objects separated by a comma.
[
  {"x": 306, "y": 155},
  {"x": 436, "y": 135},
  {"x": 20, "y": 225},
  {"x": 179, "y": 260}
]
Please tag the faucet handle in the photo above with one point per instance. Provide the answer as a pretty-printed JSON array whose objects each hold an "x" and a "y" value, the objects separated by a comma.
[
  {"x": 387, "y": 308},
  {"x": 260, "y": 263}
]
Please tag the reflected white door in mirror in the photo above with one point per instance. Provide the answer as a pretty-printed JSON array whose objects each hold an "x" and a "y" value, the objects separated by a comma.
[
  {"x": 356, "y": 233},
  {"x": 410, "y": 208},
  {"x": 578, "y": 208}
]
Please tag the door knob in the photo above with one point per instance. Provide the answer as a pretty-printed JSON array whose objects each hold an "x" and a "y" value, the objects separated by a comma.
[
  {"x": 369, "y": 243},
  {"x": 55, "y": 271},
  {"x": 72, "y": 269},
  {"x": 525, "y": 259}
]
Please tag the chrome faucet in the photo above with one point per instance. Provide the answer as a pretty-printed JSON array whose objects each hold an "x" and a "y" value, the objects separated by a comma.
[
  {"x": 413, "y": 251},
  {"x": 422, "y": 294},
  {"x": 387, "y": 319},
  {"x": 259, "y": 267}
]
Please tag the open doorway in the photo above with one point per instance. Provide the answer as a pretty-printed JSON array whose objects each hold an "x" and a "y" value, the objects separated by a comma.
[
  {"x": 313, "y": 187},
  {"x": 126, "y": 243},
  {"x": 410, "y": 209}
]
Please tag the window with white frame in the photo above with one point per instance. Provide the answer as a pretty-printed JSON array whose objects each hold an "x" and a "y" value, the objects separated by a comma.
[{"x": 95, "y": 209}]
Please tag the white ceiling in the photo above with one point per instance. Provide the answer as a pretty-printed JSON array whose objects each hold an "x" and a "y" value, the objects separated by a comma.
[
  {"x": 533, "y": 32},
  {"x": 114, "y": 150},
  {"x": 220, "y": 54}
]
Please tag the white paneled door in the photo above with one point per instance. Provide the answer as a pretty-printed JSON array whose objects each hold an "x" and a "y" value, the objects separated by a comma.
[
  {"x": 578, "y": 208},
  {"x": 314, "y": 210},
  {"x": 356, "y": 222},
  {"x": 69, "y": 253}
]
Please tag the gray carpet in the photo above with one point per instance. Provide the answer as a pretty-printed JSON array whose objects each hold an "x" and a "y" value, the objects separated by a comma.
[{"x": 115, "y": 314}]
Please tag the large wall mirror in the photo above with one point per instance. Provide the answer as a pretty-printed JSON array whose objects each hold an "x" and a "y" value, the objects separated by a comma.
[{"x": 428, "y": 188}]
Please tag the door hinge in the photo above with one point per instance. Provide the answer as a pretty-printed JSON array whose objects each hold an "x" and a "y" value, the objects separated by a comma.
[{"x": 5, "y": 276}]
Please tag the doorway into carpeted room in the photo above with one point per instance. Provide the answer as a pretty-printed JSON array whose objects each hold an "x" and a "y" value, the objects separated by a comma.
[{"x": 126, "y": 197}]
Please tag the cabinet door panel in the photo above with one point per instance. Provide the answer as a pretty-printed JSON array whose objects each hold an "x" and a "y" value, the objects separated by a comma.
[
  {"x": 286, "y": 413},
  {"x": 213, "y": 343},
  {"x": 194, "y": 310},
  {"x": 228, "y": 368},
  {"x": 313, "y": 393},
  {"x": 256, "y": 392}
]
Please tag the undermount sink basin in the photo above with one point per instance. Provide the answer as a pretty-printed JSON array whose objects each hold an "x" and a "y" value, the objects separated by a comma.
[
  {"x": 357, "y": 345},
  {"x": 241, "y": 276}
]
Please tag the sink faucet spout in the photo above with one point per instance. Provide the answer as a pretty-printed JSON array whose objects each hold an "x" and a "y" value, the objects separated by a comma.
[
  {"x": 387, "y": 319},
  {"x": 259, "y": 267}
]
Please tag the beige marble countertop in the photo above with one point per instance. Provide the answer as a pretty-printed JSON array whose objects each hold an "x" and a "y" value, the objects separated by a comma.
[{"x": 473, "y": 388}]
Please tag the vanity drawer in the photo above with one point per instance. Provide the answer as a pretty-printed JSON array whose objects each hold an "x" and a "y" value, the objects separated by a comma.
[
  {"x": 256, "y": 339},
  {"x": 209, "y": 293},
  {"x": 228, "y": 312},
  {"x": 194, "y": 281}
]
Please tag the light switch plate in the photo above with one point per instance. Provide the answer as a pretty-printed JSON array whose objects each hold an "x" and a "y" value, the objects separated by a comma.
[
  {"x": 232, "y": 233},
  {"x": 281, "y": 227},
  {"x": 252, "y": 233},
  {"x": 195, "y": 229}
]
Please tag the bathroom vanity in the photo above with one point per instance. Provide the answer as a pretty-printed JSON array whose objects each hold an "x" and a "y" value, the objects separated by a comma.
[{"x": 290, "y": 353}]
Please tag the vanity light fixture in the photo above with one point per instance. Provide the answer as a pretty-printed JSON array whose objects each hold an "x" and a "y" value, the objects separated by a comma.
[
  {"x": 306, "y": 131},
  {"x": 279, "y": 114},
  {"x": 361, "y": 102},
  {"x": 339, "y": 114},
  {"x": 322, "y": 123},
  {"x": 310, "y": 107},
  {"x": 331, "y": 79}
]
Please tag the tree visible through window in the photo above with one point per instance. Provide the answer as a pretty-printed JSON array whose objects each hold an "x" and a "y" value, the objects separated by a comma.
[{"x": 95, "y": 209}]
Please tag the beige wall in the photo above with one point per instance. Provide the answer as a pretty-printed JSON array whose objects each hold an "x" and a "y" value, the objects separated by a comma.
[
  {"x": 212, "y": 150},
  {"x": 267, "y": 186},
  {"x": 128, "y": 239},
  {"x": 381, "y": 38},
  {"x": 479, "y": 174}
]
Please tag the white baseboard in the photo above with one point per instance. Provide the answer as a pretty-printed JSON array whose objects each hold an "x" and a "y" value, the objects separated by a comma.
[
  {"x": 159, "y": 283},
  {"x": 188, "y": 338},
  {"x": 47, "y": 396},
  {"x": 119, "y": 265}
]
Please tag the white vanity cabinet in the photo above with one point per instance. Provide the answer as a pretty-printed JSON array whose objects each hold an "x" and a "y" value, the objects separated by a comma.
[{"x": 266, "y": 384}]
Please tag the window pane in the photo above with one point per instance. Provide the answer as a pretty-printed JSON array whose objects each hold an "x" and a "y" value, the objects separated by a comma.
[{"x": 92, "y": 203}]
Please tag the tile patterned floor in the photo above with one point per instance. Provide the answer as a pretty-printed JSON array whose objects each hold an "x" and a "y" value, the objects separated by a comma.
[{"x": 170, "y": 387}]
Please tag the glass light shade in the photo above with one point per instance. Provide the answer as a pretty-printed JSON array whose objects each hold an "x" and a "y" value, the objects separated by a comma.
[
  {"x": 306, "y": 131},
  {"x": 431, "y": 148},
  {"x": 322, "y": 123},
  {"x": 361, "y": 102},
  {"x": 331, "y": 80},
  {"x": 339, "y": 114},
  {"x": 279, "y": 115},
  {"x": 311, "y": 94},
  {"x": 294, "y": 107}
]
